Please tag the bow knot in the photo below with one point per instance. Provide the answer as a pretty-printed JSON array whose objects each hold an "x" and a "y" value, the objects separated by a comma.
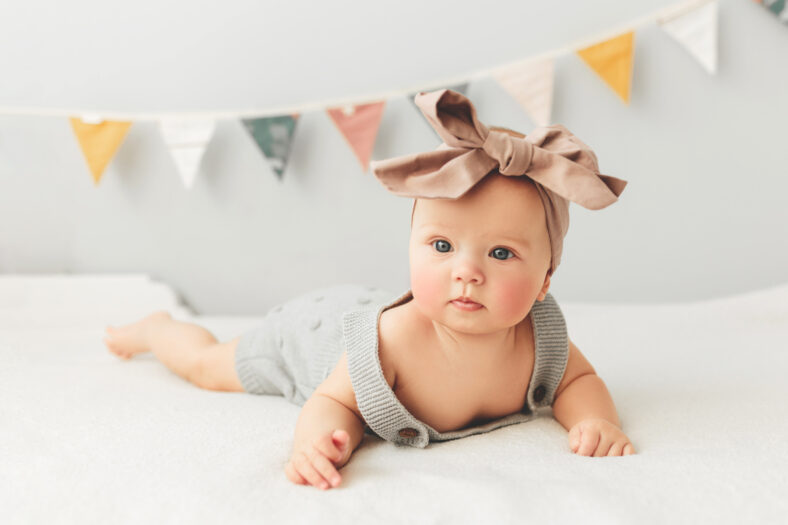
[{"x": 512, "y": 153}]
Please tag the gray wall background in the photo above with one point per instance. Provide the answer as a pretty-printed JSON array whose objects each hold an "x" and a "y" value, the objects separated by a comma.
[{"x": 706, "y": 156}]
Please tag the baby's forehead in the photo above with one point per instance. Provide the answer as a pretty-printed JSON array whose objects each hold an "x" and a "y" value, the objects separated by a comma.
[
  {"x": 496, "y": 201},
  {"x": 508, "y": 201},
  {"x": 500, "y": 225}
]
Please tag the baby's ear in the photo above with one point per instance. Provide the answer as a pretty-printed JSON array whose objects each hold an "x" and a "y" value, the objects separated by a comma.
[{"x": 544, "y": 289}]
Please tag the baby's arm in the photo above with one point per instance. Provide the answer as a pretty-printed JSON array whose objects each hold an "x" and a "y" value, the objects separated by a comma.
[
  {"x": 318, "y": 448},
  {"x": 584, "y": 407}
]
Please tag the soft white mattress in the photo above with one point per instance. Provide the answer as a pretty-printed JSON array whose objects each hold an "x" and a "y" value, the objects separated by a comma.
[{"x": 87, "y": 438}]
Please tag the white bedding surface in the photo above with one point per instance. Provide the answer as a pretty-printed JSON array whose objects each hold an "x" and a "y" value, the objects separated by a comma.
[{"x": 87, "y": 438}]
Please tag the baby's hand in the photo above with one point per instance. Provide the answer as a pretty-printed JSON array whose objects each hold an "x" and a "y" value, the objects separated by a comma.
[
  {"x": 314, "y": 464},
  {"x": 599, "y": 437}
]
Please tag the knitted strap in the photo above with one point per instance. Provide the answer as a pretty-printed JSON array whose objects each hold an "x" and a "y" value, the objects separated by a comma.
[
  {"x": 552, "y": 351},
  {"x": 381, "y": 409}
]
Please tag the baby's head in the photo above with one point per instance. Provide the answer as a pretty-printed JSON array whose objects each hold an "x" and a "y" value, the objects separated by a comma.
[
  {"x": 491, "y": 209},
  {"x": 490, "y": 245}
]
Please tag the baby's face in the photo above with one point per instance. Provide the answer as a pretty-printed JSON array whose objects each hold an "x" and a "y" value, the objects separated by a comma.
[{"x": 490, "y": 245}]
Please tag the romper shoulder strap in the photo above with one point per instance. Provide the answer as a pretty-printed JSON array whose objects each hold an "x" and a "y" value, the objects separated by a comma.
[
  {"x": 552, "y": 351},
  {"x": 385, "y": 415}
]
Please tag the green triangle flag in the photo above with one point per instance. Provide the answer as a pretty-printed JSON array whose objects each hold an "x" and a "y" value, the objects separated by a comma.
[
  {"x": 777, "y": 7},
  {"x": 274, "y": 136}
]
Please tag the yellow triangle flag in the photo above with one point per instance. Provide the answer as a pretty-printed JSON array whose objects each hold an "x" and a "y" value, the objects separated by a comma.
[
  {"x": 99, "y": 142},
  {"x": 612, "y": 60}
]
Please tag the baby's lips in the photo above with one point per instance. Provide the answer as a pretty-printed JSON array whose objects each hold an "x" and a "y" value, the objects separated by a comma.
[{"x": 458, "y": 300}]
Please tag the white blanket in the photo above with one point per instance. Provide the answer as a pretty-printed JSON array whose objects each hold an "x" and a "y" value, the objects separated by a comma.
[{"x": 88, "y": 438}]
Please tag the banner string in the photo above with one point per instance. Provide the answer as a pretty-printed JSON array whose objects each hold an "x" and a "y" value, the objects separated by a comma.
[{"x": 95, "y": 115}]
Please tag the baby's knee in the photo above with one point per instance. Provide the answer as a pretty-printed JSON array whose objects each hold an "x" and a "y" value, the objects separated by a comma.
[{"x": 214, "y": 369}]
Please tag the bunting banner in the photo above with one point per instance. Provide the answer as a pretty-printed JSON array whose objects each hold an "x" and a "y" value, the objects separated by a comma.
[
  {"x": 696, "y": 30},
  {"x": 186, "y": 141},
  {"x": 99, "y": 140},
  {"x": 531, "y": 85},
  {"x": 776, "y": 7},
  {"x": 273, "y": 136},
  {"x": 612, "y": 61},
  {"x": 359, "y": 125},
  {"x": 691, "y": 23}
]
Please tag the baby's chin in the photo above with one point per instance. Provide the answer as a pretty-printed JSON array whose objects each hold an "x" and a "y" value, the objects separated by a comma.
[{"x": 479, "y": 322}]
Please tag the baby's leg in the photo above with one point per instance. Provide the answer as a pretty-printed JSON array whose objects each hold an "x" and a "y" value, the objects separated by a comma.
[{"x": 187, "y": 349}]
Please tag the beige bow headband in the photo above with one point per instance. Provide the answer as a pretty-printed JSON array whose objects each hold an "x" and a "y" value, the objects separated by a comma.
[{"x": 563, "y": 168}]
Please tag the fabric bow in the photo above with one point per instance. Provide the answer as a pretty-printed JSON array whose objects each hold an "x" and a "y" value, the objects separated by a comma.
[{"x": 563, "y": 167}]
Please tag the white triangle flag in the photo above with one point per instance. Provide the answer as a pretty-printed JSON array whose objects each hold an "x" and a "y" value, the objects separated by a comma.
[
  {"x": 531, "y": 84},
  {"x": 186, "y": 140},
  {"x": 696, "y": 30}
]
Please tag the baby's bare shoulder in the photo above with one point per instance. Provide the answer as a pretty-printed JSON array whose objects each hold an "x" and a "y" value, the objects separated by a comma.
[
  {"x": 392, "y": 334},
  {"x": 403, "y": 335}
]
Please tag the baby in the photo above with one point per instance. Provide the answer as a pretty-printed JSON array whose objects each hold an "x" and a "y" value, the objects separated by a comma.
[{"x": 477, "y": 343}]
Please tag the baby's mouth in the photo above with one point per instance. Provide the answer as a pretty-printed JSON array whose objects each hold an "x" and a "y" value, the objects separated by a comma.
[{"x": 465, "y": 304}]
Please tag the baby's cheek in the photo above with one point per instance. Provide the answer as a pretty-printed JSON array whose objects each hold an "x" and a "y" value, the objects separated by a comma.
[
  {"x": 515, "y": 298},
  {"x": 426, "y": 286}
]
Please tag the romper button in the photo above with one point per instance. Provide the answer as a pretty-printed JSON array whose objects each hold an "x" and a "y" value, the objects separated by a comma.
[
  {"x": 408, "y": 432},
  {"x": 364, "y": 300},
  {"x": 318, "y": 298},
  {"x": 315, "y": 324},
  {"x": 539, "y": 393}
]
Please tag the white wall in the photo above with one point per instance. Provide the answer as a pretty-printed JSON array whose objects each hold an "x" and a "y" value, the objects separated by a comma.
[{"x": 704, "y": 214}]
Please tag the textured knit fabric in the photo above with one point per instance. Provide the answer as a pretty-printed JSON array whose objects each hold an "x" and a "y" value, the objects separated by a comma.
[
  {"x": 298, "y": 343},
  {"x": 390, "y": 420}
]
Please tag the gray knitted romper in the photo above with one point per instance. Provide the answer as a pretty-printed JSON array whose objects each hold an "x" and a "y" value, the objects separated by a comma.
[{"x": 299, "y": 343}]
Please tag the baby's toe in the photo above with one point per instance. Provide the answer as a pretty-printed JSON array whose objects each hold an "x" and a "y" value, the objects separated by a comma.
[{"x": 112, "y": 347}]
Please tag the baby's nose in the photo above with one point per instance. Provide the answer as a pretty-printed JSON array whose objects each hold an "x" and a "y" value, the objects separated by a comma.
[{"x": 468, "y": 272}]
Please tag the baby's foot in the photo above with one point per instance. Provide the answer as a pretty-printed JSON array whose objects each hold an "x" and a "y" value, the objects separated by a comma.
[{"x": 132, "y": 339}]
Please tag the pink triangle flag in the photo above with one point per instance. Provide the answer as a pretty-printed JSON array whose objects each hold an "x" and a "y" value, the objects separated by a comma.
[{"x": 359, "y": 125}]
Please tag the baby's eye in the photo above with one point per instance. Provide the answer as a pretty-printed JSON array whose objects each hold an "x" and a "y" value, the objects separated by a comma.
[
  {"x": 442, "y": 246},
  {"x": 501, "y": 254}
]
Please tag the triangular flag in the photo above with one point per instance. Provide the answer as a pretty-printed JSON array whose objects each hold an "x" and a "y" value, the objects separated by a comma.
[
  {"x": 273, "y": 135},
  {"x": 612, "y": 61},
  {"x": 186, "y": 140},
  {"x": 99, "y": 140},
  {"x": 531, "y": 85},
  {"x": 696, "y": 30},
  {"x": 359, "y": 125},
  {"x": 777, "y": 7}
]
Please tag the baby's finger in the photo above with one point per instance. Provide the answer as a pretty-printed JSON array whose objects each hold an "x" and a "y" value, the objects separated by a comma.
[
  {"x": 603, "y": 447},
  {"x": 327, "y": 447},
  {"x": 588, "y": 442},
  {"x": 304, "y": 467},
  {"x": 615, "y": 449},
  {"x": 629, "y": 449},
  {"x": 325, "y": 467},
  {"x": 293, "y": 475},
  {"x": 574, "y": 438}
]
